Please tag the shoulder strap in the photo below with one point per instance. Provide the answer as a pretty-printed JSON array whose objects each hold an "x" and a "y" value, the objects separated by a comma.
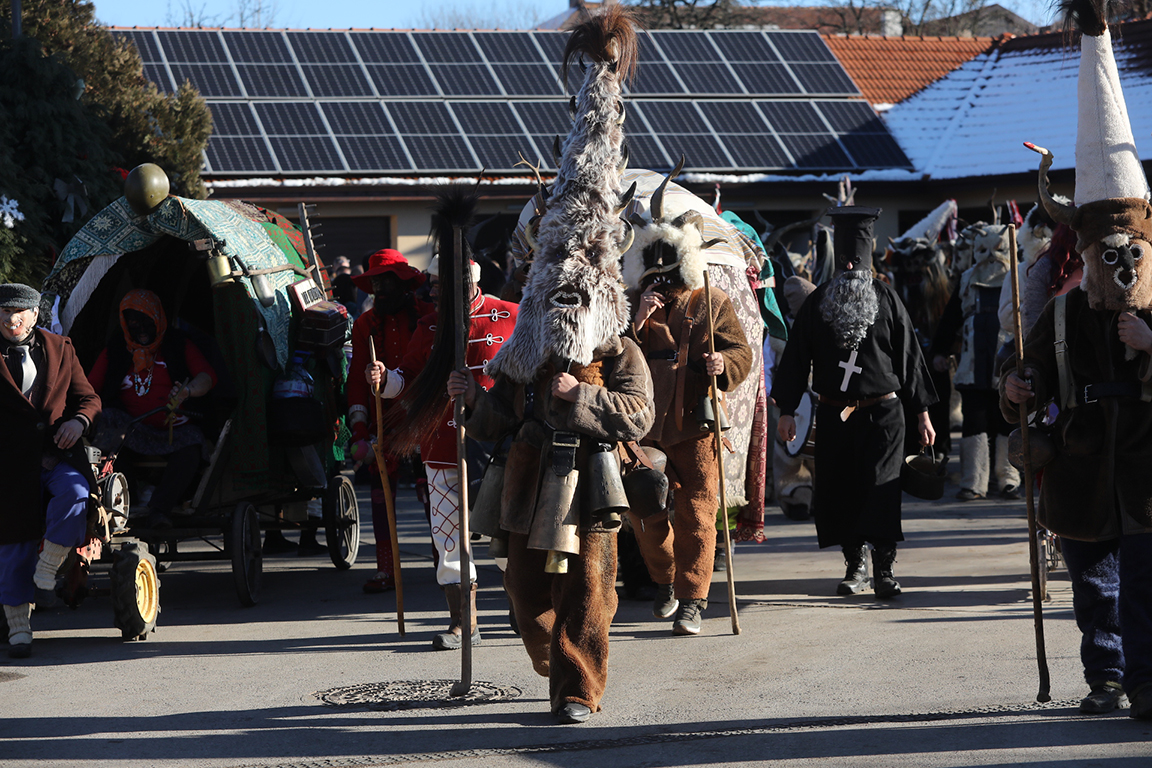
[{"x": 1064, "y": 370}]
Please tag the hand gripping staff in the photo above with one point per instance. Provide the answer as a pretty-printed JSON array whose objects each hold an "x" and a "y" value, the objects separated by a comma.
[
  {"x": 389, "y": 502},
  {"x": 463, "y": 309},
  {"x": 715, "y": 392},
  {"x": 1033, "y": 547}
]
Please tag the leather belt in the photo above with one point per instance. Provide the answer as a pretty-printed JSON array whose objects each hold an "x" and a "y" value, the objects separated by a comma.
[
  {"x": 1093, "y": 392},
  {"x": 667, "y": 354},
  {"x": 849, "y": 406}
]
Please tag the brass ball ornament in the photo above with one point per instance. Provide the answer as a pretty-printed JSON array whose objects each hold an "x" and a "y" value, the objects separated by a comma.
[{"x": 146, "y": 188}]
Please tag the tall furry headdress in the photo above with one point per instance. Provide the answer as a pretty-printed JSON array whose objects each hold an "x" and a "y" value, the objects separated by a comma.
[{"x": 574, "y": 299}]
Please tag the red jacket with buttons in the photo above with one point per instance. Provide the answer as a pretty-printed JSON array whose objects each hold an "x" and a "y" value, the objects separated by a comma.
[{"x": 492, "y": 323}]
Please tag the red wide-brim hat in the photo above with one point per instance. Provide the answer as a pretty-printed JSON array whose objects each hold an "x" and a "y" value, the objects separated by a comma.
[{"x": 388, "y": 260}]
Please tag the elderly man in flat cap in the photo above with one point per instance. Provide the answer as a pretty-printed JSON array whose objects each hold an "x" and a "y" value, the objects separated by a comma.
[{"x": 46, "y": 406}]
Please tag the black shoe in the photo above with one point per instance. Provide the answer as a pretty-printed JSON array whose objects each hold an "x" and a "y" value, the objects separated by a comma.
[
  {"x": 572, "y": 713},
  {"x": 665, "y": 603},
  {"x": 688, "y": 617},
  {"x": 20, "y": 650},
  {"x": 276, "y": 544},
  {"x": 45, "y": 598},
  {"x": 884, "y": 582},
  {"x": 452, "y": 641},
  {"x": 1105, "y": 696},
  {"x": 309, "y": 547},
  {"x": 720, "y": 563},
  {"x": 856, "y": 573},
  {"x": 1140, "y": 703},
  {"x": 1012, "y": 493}
]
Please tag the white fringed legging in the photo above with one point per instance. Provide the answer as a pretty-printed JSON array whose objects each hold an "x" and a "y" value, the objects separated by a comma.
[{"x": 444, "y": 497}]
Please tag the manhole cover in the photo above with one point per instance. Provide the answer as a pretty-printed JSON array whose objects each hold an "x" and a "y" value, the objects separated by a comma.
[{"x": 414, "y": 694}]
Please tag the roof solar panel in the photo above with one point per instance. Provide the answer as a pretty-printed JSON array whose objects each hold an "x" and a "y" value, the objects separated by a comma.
[
  {"x": 421, "y": 117},
  {"x": 745, "y": 46},
  {"x": 490, "y": 117},
  {"x": 228, "y": 154},
  {"x": 446, "y": 47},
  {"x": 672, "y": 117},
  {"x": 402, "y": 80},
  {"x": 290, "y": 118},
  {"x": 321, "y": 47},
  {"x": 274, "y": 80},
  {"x": 875, "y": 151},
  {"x": 544, "y": 117},
  {"x": 552, "y": 43},
  {"x": 385, "y": 48},
  {"x": 336, "y": 80},
  {"x": 733, "y": 116},
  {"x": 817, "y": 151},
  {"x": 230, "y": 118},
  {"x": 792, "y": 116},
  {"x": 528, "y": 79},
  {"x": 192, "y": 47},
  {"x": 824, "y": 78},
  {"x": 762, "y": 152},
  {"x": 212, "y": 80},
  {"x": 432, "y": 153},
  {"x": 711, "y": 78},
  {"x": 851, "y": 116},
  {"x": 374, "y": 153},
  {"x": 686, "y": 46},
  {"x": 158, "y": 75},
  {"x": 766, "y": 79},
  {"x": 257, "y": 47},
  {"x": 465, "y": 80},
  {"x": 306, "y": 153},
  {"x": 801, "y": 46},
  {"x": 145, "y": 45},
  {"x": 656, "y": 78},
  {"x": 508, "y": 47},
  {"x": 644, "y": 151},
  {"x": 356, "y": 118},
  {"x": 700, "y": 151},
  {"x": 501, "y": 152}
]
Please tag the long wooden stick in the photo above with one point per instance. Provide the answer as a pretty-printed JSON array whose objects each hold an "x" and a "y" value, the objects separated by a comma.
[
  {"x": 463, "y": 310},
  {"x": 389, "y": 502},
  {"x": 720, "y": 460},
  {"x": 1033, "y": 545}
]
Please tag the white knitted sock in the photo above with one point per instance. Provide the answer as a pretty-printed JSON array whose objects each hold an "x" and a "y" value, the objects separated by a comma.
[
  {"x": 51, "y": 558},
  {"x": 19, "y": 618}
]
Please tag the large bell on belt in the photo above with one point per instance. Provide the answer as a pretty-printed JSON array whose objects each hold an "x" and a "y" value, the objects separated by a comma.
[
  {"x": 484, "y": 517},
  {"x": 604, "y": 490},
  {"x": 647, "y": 492},
  {"x": 555, "y": 524},
  {"x": 707, "y": 416}
]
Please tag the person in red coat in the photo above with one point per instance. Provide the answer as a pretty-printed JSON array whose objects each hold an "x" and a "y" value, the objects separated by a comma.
[
  {"x": 391, "y": 324},
  {"x": 46, "y": 406}
]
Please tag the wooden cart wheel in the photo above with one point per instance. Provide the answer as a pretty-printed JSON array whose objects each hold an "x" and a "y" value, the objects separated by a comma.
[
  {"x": 135, "y": 590},
  {"x": 247, "y": 556},
  {"x": 341, "y": 522}
]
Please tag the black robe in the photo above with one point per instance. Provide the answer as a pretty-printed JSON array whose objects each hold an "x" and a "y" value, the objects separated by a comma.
[{"x": 857, "y": 484}]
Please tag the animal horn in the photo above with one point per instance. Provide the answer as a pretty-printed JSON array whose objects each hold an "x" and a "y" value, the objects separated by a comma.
[
  {"x": 623, "y": 159},
  {"x": 658, "y": 195},
  {"x": 626, "y": 198},
  {"x": 623, "y": 114},
  {"x": 556, "y": 150},
  {"x": 637, "y": 220},
  {"x": 690, "y": 217},
  {"x": 1061, "y": 213},
  {"x": 539, "y": 198},
  {"x": 572, "y": 108},
  {"x": 530, "y": 232},
  {"x": 629, "y": 236},
  {"x": 778, "y": 233},
  {"x": 710, "y": 243}
]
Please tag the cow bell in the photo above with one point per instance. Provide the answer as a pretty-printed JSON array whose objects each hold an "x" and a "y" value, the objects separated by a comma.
[
  {"x": 604, "y": 490},
  {"x": 707, "y": 415},
  {"x": 647, "y": 492},
  {"x": 484, "y": 518},
  {"x": 555, "y": 524}
]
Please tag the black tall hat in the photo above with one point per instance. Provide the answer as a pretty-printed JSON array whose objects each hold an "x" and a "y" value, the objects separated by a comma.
[{"x": 852, "y": 238}]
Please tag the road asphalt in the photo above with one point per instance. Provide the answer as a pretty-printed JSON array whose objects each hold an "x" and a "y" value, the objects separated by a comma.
[{"x": 316, "y": 675}]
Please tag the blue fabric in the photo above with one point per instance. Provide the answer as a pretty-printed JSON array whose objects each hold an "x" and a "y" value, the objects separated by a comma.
[
  {"x": 1112, "y": 601},
  {"x": 67, "y": 519}
]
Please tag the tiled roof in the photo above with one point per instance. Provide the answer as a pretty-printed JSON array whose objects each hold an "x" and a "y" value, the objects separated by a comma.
[
  {"x": 890, "y": 69},
  {"x": 973, "y": 121}
]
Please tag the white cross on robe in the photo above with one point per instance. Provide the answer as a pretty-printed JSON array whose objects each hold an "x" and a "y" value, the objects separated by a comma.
[{"x": 850, "y": 368}]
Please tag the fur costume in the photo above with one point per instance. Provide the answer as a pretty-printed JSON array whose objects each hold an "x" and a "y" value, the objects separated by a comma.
[
  {"x": 571, "y": 317},
  {"x": 1097, "y": 489},
  {"x": 1032, "y": 239}
]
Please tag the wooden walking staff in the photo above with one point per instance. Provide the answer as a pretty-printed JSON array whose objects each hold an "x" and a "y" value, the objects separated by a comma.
[
  {"x": 715, "y": 392},
  {"x": 389, "y": 502},
  {"x": 463, "y": 309},
  {"x": 1033, "y": 546}
]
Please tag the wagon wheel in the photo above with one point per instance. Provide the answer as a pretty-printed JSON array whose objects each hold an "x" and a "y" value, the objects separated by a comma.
[
  {"x": 247, "y": 557},
  {"x": 115, "y": 497},
  {"x": 342, "y": 523},
  {"x": 135, "y": 590}
]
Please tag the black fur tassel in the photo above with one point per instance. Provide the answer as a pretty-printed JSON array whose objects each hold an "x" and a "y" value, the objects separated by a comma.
[
  {"x": 607, "y": 36},
  {"x": 425, "y": 405},
  {"x": 1087, "y": 16}
]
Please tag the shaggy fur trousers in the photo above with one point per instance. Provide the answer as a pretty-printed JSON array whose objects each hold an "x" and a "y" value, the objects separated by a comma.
[
  {"x": 681, "y": 552},
  {"x": 564, "y": 618}
]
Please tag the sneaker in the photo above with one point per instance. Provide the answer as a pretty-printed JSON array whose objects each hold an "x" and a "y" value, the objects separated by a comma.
[
  {"x": 1140, "y": 703},
  {"x": 1105, "y": 696},
  {"x": 665, "y": 603},
  {"x": 967, "y": 494},
  {"x": 688, "y": 617}
]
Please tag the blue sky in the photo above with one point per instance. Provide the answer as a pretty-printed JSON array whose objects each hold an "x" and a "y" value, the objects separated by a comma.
[{"x": 329, "y": 13}]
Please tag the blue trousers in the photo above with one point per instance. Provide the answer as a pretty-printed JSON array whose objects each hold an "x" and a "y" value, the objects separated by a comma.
[
  {"x": 67, "y": 518},
  {"x": 1112, "y": 601}
]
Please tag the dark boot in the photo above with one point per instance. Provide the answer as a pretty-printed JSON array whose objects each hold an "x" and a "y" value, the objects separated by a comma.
[
  {"x": 453, "y": 639},
  {"x": 884, "y": 582},
  {"x": 856, "y": 575}
]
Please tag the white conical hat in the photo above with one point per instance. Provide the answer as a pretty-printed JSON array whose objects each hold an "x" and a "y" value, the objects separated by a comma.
[{"x": 1107, "y": 165}]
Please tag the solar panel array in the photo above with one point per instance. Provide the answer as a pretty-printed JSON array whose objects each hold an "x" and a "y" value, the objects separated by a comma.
[{"x": 300, "y": 103}]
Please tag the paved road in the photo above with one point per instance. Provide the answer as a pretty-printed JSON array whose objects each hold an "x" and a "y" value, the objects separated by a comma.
[{"x": 943, "y": 676}]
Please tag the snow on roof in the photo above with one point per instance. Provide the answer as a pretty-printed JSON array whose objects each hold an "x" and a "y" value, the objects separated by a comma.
[{"x": 974, "y": 121}]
